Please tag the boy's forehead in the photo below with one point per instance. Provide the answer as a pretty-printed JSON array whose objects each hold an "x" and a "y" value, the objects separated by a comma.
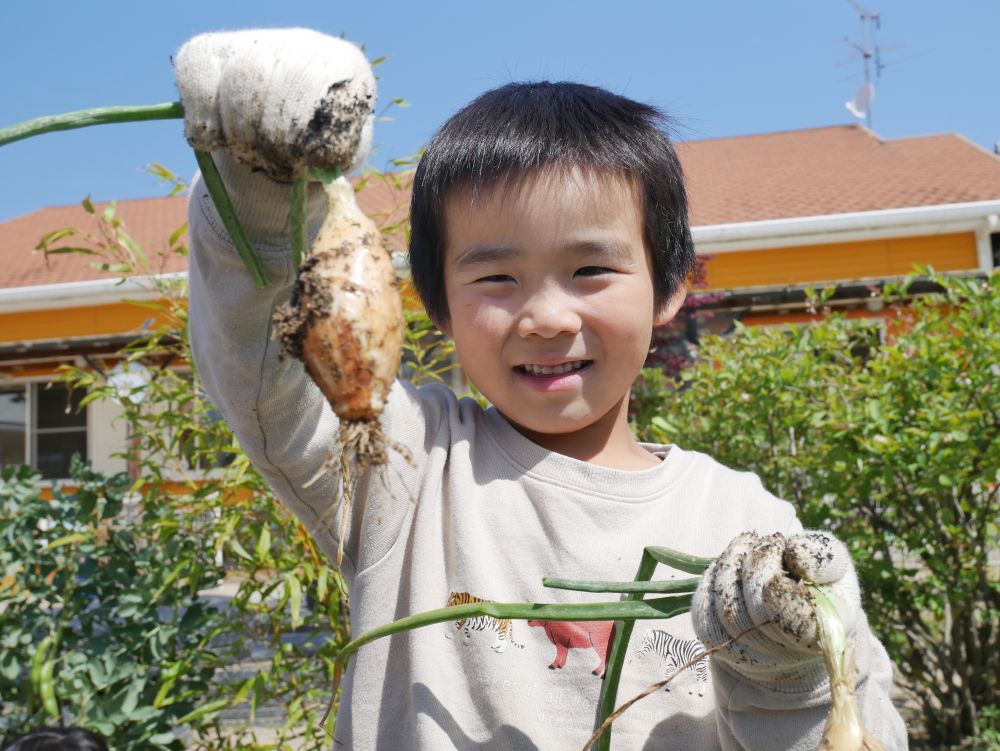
[
  {"x": 553, "y": 177},
  {"x": 541, "y": 190},
  {"x": 557, "y": 208}
]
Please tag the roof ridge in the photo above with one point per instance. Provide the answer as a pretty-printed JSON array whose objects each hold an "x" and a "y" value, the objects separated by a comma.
[
  {"x": 993, "y": 154},
  {"x": 767, "y": 134}
]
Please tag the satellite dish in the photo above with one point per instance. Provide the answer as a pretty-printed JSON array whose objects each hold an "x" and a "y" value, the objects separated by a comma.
[{"x": 862, "y": 101}]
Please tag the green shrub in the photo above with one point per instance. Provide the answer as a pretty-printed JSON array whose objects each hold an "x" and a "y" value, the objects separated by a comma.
[
  {"x": 896, "y": 448},
  {"x": 99, "y": 617}
]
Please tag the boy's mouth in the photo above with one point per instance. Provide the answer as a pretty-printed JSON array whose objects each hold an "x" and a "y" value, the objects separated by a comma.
[{"x": 545, "y": 370}]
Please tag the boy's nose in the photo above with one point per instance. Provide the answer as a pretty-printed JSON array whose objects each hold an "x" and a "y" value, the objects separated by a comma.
[{"x": 547, "y": 313}]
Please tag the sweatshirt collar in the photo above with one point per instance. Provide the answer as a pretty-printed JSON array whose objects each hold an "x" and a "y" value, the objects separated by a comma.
[{"x": 624, "y": 485}]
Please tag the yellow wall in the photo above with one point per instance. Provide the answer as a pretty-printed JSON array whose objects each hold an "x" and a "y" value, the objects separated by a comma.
[
  {"x": 840, "y": 261},
  {"x": 62, "y": 323},
  {"x": 732, "y": 270}
]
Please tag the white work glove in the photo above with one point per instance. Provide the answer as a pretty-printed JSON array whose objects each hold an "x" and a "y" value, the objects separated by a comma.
[
  {"x": 756, "y": 581},
  {"x": 278, "y": 99}
]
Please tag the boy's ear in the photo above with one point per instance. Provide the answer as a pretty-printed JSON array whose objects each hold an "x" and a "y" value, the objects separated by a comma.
[{"x": 669, "y": 308}]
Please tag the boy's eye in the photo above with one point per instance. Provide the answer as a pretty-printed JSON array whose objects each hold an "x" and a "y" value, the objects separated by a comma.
[
  {"x": 496, "y": 278},
  {"x": 592, "y": 271}
]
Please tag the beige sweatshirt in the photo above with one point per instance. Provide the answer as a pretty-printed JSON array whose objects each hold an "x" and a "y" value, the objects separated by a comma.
[{"x": 479, "y": 510}]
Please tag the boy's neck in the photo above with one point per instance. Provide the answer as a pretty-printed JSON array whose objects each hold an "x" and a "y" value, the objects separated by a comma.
[{"x": 607, "y": 442}]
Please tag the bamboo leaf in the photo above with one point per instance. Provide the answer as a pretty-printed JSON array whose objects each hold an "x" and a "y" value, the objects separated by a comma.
[
  {"x": 263, "y": 543},
  {"x": 295, "y": 599},
  {"x": 321, "y": 581},
  {"x": 210, "y": 708},
  {"x": 109, "y": 211},
  {"x": 177, "y": 234},
  {"x": 70, "y": 539},
  {"x": 58, "y": 234},
  {"x": 235, "y": 546}
]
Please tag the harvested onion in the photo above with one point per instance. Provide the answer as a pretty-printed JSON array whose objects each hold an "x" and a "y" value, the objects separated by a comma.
[
  {"x": 344, "y": 321},
  {"x": 844, "y": 730}
]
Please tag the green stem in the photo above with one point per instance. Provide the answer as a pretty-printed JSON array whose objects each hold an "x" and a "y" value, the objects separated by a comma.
[
  {"x": 326, "y": 175},
  {"x": 690, "y": 564},
  {"x": 217, "y": 189},
  {"x": 93, "y": 116},
  {"x": 298, "y": 219},
  {"x": 619, "y": 646},
  {"x": 659, "y": 608},
  {"x": 137, "y": 113},
  {"x": 677, "y": 586}
]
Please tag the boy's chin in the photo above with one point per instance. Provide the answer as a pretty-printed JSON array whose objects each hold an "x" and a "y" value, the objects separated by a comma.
[{"x": 544, "y": 432}]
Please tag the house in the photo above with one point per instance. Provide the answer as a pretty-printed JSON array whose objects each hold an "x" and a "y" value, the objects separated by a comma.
[
  {"x": 775, "y": 213},
  {"x": 779, "y": 212}
]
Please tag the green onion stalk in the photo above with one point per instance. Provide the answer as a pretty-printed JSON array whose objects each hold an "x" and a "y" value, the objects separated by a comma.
[
  {"x": 210, "y": 173},
  {"x": 624, "y": 612}
]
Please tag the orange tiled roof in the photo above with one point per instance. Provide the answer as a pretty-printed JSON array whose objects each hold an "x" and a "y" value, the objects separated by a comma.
[
  {"x": 150, "y": 222},
  {"x": 730, "y": 180},
  {"x": 831, "y": 170}
]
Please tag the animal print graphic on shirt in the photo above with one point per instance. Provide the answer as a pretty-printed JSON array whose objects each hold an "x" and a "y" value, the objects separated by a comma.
[
  {"x": 676, "y": 652},
  {"x": 567, "y": 635},
  {"x": 503, "y": 627}
]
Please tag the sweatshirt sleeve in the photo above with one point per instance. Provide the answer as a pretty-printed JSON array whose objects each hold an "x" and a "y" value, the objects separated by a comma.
[
  {"x": 753, "y": 719},
  {"x": 277, "y": 413}
]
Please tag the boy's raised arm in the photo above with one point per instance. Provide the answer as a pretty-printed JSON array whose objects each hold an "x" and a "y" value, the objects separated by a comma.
[{"x": 268, "y": 104}]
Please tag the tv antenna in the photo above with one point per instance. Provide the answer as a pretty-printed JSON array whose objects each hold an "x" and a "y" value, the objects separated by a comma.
[{"x": 861, "y": 105}]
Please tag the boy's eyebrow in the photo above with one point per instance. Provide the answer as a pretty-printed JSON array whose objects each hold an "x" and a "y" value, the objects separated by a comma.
[
  {"x": 480, "y": 254},
  {"x": 612, "y": 248},
  {"x": 483, "y": 254}
]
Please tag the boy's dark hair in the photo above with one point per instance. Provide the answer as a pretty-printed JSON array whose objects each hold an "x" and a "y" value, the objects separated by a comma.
[
  {"x": 518, "y": 128},
  {"x": 58, "y": 739}
]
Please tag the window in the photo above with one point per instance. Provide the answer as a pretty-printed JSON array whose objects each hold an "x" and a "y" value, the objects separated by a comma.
[
  {"x": 43, "y": 426},
  {"x": 13, "y": 427}
]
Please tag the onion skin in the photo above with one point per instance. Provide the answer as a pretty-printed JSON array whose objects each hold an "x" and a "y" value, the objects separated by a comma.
[{"x": 345, "y": 320}]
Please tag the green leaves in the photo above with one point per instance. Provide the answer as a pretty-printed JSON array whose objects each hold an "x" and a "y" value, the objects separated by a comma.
[
  {"x": 70, "y": 539},
  {"x": 106, "y": 638},
  {"x": 887, "y": 433}
]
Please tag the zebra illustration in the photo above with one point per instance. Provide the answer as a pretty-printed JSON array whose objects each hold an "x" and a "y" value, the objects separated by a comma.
[
  {"x": 676, "y": 652},
  {"x": 503, "y": 627}
]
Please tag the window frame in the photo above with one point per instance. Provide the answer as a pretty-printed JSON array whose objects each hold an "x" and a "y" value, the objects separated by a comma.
[{"x": 30, "y": 387}]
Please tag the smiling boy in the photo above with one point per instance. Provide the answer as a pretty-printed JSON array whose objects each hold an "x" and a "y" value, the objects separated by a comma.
[
  {"x": 549, "y": 235},
  {"x": 550, "y": 303}
]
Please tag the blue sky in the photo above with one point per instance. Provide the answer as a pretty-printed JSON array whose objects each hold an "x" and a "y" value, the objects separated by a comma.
[{"x": 721, "y": 67}]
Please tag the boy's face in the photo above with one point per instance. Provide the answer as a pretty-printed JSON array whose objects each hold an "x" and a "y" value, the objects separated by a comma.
[{"x": 550, "y": 296}]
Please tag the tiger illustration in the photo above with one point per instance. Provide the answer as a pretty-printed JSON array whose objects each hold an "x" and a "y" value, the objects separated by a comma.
[
  {"x": 503, "y": 627},
  {"x": 676, "y": 652}
]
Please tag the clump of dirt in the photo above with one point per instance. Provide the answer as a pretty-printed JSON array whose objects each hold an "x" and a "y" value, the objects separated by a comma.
[
  {"x": 797, "y": 619},
  {"x": 311, "y": 299}
]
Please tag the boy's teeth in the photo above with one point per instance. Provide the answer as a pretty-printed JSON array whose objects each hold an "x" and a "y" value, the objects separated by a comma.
[{"x": 555, "y": 369}]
